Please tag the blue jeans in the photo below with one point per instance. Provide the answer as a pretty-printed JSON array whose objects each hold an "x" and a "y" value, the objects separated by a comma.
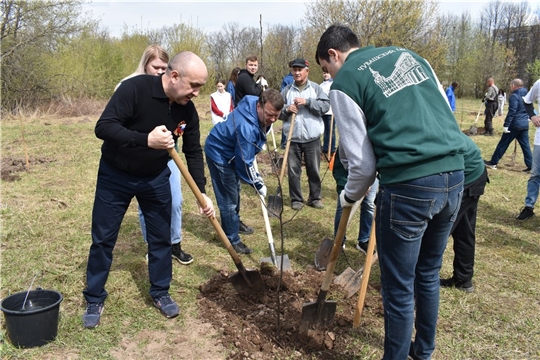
[
  {"x": 176, "y": 193},
  {"x": 114, "y": 191},
  {"x": 413, "y": 222},
  {"x": 226, "y": 184},
  {"x": 327, "y": 119},
  {"x": 533, "y": 185},
  {"x": 367, "y": 208},
  {"x": 522, "y": 137},
  {"x": 311, "y": 152}
]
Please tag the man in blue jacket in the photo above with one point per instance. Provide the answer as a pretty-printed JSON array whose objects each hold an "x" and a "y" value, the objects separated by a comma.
[
  {"x": 230, "y": 150},
  {"x": 451, "y": 95},
  {"x": 516, "y": 126}
]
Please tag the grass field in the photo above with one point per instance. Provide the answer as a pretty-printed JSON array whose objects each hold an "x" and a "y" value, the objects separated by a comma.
[{"x": 45, "y": 233}]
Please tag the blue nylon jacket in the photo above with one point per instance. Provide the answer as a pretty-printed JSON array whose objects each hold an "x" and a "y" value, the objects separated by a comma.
[
  {"x": 237, "y": 140},
  {"x": 517, "y": 117}
]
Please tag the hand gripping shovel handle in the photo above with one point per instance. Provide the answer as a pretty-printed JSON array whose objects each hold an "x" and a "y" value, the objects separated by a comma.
[
  {"x": 365, "y": 276},
  {"x": 185, "y": 173}
]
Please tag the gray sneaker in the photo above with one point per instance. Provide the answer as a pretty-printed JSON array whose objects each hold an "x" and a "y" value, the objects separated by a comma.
[
  {"x": 317, "y": 204},
  {"x": 92, "y": 315},
  {"x": 167, "y": 306}
]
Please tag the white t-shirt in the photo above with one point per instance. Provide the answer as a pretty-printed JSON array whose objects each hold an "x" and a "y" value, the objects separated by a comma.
[
  {"x": 223, "y": 103},
  {"x": 534, "y": 95}
]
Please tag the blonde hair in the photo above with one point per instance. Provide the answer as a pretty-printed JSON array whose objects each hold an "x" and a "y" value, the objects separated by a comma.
[{"x": 150, "y": 53}]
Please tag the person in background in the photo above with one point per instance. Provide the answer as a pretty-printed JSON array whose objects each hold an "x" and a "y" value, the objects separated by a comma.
[
  {"x": 327, "y": 119},
  {"x": 262, "y": 82},
  {"x": 287, "y": 79},
  {"x": 231, "y": 84},
  {"x": 230, "y": 148},
  {"x": 533, "y": 185},
  {"x": 139, "y": 124},
  {"x": 308, "y": 101},
  {"x": 451, "y": 95},
  {"x": 516, "y": 126},
  {"x": 464, "y": 229},
  {"x": 501, "y": 98},
  {"x": 221, "y": 103},
  {"x": 367, "y": 207},
  {"x": 154, "y": 62},
  {"x": 491, "y": 102},
  {"x": 245, "y": 84},
  {"x": 391, "y": 111}
]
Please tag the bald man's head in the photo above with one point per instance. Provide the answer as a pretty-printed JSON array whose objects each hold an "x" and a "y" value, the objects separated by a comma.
[{"x": 185, "y": 75}]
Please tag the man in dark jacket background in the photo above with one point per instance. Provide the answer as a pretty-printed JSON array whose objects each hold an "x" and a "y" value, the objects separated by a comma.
[
  {"x": 516, "y": 126},
  {"x": 245, "y": 84}
]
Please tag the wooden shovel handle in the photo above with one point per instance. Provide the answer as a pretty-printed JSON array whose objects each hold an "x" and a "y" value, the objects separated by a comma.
[
  {"x": 330, "y": 136},
  {"x": 193, "y": 186},
  {"x": 336, "y": 248},
  {"x": 287, "y": 146},
  {"x": 365, "y": 276}
]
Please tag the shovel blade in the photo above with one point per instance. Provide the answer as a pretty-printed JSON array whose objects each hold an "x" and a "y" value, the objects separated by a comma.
[
  {"x": 254, "y": 283},
  {"x": 343, "y": 278},
  {"x": 313, "y": 317},
  {"x": 286, "y": 262},
  {"x": 322, "y": 256},
  {"x": 274, "y": 205}
]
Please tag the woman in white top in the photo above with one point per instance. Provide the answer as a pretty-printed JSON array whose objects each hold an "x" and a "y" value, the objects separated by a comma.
[
  {"x": 221, "y": 103},
  {"x": 501, "y": 98}
]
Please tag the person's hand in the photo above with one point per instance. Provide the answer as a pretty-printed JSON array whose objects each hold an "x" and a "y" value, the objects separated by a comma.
[
  {"x": 292, "y": 109},
  {"x": 298, "y": 101},
  {"x": 160, "y": 138},
  {"x": 536, "y": 120},
  {"x": 343, "y": 202},
  {"x": 505, "y": 130},
  {"x": 262, "y": 191},
  {"x": 209, "y": 209}
]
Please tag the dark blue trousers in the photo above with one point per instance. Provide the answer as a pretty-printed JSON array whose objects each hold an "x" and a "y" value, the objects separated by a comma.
[
  {"x": 522, "y": 137},
  {"x": 114, "y": 192}
]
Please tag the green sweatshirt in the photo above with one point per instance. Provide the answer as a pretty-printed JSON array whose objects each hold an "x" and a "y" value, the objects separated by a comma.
[{"x": 390, "y": 99}]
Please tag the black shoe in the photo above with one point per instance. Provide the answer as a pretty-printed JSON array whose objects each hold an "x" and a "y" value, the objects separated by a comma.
[
  {"x": 526, "y": 213},
  {"x": 488, "y": 133},
  {"x": 527, "y": 170},
  {"x": 466, "y": 286},
  {"x": 490, "y": 165},
  {"x": 362, "y": 246},
  {"x": 240, "y": 248},
  {"x": 244, "y": 229},
  {"x": 182, "y": 257}
]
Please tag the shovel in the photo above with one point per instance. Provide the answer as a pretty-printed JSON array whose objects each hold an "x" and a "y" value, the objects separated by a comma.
[
  {"x": 282, "y": 262},
  {"x": 321, "y": 313},
  {"x": 275, "y": 202},
  {"x": 322, "y": 256},
  {"x": 244, "y": 281},
  {"x": 351, "y": 280},
  {"x": 330, "y": 138},
  {"x": 365, "y": 277}
]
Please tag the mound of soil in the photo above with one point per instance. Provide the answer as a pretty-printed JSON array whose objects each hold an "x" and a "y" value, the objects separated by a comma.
[
  {"x": 251, "y": 326},
  {"x": 12, "y": 165}
]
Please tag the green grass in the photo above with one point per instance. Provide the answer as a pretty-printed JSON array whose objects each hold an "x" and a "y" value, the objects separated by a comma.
[{"x": 46, "y": 233}]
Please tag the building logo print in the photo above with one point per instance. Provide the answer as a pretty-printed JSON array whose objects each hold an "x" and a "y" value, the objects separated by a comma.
[{"x": 407, "y": 72}]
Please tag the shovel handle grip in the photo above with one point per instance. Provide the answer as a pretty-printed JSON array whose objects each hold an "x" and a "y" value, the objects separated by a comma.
[
  {"x": 193, "y": 186},
  {"x": 336, "y": 248}
]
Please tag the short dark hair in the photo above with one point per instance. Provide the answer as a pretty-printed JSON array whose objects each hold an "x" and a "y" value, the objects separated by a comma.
[
  {"x": 455, "y": 84},
  {"x": 336, "y": 37},
  {"x": 274, "y": 97}
]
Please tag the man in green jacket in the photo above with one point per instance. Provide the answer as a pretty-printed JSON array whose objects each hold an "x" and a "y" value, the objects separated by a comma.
[{"x": 393, "y": 117}]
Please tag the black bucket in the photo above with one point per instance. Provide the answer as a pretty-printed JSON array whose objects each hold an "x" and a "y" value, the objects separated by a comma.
[{"x": 37, "y": 324}]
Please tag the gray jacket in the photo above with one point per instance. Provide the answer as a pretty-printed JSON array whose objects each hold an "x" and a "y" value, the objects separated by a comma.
[{"x": 308, "y": 124}]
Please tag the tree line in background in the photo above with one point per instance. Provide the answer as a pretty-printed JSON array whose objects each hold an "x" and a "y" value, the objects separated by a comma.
[{"x": 51, "y": 52}]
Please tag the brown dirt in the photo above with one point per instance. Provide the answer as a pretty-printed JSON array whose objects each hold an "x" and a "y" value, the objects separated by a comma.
[
  {"x": 12, "y": 165},
  {"x": 249, "y": 323}
]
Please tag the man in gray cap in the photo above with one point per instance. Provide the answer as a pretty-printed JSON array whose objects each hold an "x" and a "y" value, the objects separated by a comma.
[{"x": 309, "y": 102}]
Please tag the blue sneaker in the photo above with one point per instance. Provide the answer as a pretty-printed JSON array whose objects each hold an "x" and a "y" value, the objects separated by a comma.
[
  {"x": 92, "y": 314},
  {"x": 167, "y": 306}
]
